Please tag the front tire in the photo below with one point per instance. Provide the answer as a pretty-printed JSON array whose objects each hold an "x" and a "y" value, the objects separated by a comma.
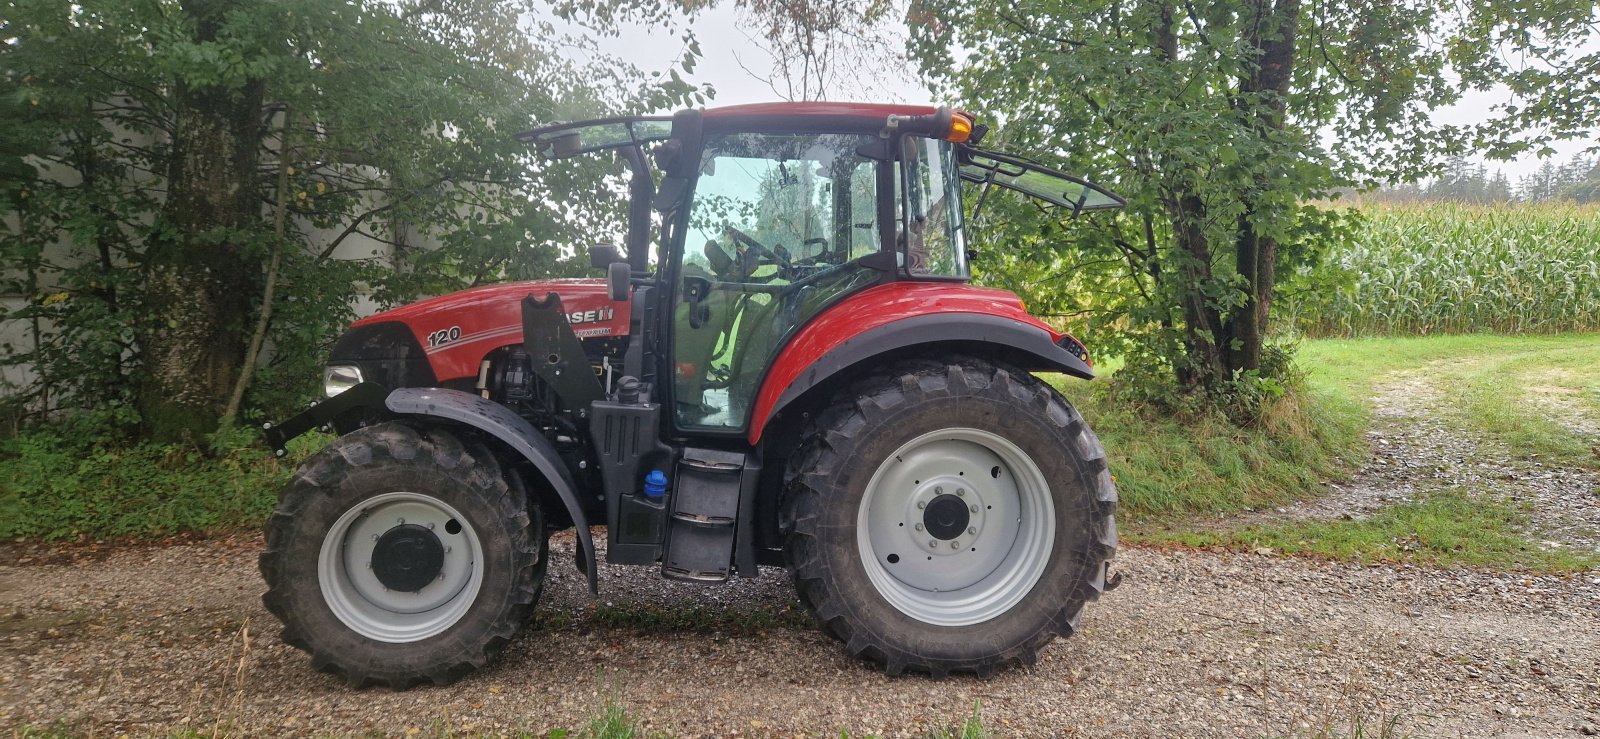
[
  {"x": 398, "y": 555},
  {"x": 949, "y": 517}
]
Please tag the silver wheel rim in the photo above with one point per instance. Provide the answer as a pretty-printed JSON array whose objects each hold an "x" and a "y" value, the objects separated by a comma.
[
  {"x": 1000, "y": 552},
  {"x": 359, "y": 600}
]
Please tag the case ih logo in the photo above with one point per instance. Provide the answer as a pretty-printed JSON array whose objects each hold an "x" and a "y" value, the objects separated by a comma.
[{"x": 591, "y": 316}]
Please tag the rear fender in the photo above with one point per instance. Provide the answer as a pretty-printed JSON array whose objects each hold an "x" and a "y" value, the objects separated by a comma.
[
  {"x": 887, "y": 322},
  {"x": 499, "y": 422}
]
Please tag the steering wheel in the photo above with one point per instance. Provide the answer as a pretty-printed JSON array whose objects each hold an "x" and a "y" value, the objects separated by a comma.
[
  {"x": 787, "y": 270},
  {"x": 740, "y": 237}
]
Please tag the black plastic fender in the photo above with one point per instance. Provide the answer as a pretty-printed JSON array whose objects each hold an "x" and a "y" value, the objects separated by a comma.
[{"x": 498, "y": 421}]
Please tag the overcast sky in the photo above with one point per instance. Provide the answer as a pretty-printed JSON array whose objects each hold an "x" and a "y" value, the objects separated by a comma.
[{"x": 732, "y": 59}]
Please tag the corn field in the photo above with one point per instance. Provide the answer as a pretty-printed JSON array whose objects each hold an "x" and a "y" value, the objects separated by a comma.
[{"x": 1454, "y": 268}]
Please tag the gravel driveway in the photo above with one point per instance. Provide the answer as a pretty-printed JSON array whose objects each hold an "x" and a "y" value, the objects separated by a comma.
[
  {"x": 153, "y": 640},
  {"x": 156, "y": 640}
]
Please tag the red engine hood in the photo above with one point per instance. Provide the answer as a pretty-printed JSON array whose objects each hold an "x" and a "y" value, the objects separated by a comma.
[{"x": 458, "y": 329}]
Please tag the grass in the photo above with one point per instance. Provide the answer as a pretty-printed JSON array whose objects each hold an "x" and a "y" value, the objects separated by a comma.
[
  {"x": 58, "y": 486},
  {"x": 1171, "y": 468},
  {"x": 1529, "y": 394},
  {"x": 1505, "y": 391},
  {"x": 1445, "y": 528}
]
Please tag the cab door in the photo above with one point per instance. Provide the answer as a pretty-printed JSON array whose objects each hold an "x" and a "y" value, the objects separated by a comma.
[{"x": 777, "y": 229}]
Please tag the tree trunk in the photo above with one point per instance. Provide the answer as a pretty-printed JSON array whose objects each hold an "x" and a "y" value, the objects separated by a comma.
[
  {"x": 280, "y": 217},
  {"x": 1273, "y": 32},
  {"x": 1204, "y": 331},
  {"x": 201, "y": 279}
]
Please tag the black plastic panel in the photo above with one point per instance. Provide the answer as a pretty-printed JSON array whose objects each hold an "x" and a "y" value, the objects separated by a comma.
[{"x": 627, "y": 446}]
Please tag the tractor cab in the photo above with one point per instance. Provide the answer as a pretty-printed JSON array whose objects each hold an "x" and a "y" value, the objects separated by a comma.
[
  {"x": 771, "y": 213},
  {"x": 784, "y": 365}
]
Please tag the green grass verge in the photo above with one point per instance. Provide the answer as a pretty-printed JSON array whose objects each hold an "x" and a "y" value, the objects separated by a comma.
[
  {"x": 1445, "y": 528},
  {"x": 1510, "y": 392},
  {"x": 1529, "y": 395},
  {"x": 1171, "y": 468}
]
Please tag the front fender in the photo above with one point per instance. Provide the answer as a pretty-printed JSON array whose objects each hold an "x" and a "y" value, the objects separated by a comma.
[{"x": 499, "y": 422}]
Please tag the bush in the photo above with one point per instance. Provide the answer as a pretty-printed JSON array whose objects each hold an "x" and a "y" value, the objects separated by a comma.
[{"x": 66, "y": 482}]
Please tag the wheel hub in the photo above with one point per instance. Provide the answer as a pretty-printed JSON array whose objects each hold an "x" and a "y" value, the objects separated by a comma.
[
  {"x": 944, "y": 514},
  {"x": 407, "y": 558},
  {"x": 946, "y": 517}
]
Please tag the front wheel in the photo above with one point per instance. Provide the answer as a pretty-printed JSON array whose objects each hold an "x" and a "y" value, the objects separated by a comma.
[
  {"x": 949, "y": 517},
  {"x": 399, "y": 555}
]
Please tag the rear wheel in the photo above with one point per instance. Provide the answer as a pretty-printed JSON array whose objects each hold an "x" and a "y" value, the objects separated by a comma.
[
  {"x": 949, "y": 517},
  {"x": 398, "y": 555}
]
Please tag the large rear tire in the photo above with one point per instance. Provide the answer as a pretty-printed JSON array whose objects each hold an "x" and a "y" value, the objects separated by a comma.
[
  {"x": 949, "y": 517},
  {"x": 398, "y": 555}
]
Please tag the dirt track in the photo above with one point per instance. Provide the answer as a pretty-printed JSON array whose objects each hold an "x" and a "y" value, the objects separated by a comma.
[{"x": 150, "y": 641}]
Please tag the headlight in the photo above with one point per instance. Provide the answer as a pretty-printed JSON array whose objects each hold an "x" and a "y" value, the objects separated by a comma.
[{"x": 338, "y": 378}]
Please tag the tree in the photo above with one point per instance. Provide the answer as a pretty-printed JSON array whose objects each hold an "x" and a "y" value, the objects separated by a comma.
[
  {"x": 820, "y": 48},
  {"x": 156, "y": 127},
  {"x": 1224, "y": 122},
  {"x": 1585, "y": 184}
]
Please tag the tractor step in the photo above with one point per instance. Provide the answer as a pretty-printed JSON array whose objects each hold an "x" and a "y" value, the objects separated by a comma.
[{"x": 705, "y": 515}]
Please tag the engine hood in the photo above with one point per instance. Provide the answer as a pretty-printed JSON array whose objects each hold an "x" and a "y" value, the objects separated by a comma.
[{"x": 455, "y": 331}]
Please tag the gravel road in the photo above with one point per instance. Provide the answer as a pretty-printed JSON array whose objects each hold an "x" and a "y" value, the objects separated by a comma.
[{"x": 155, "y": 640}]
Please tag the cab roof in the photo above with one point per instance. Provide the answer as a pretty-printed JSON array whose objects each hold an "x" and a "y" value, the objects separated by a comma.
[
  {"x": 808, "y": 116},
  {"x": 806, "y": 109}
]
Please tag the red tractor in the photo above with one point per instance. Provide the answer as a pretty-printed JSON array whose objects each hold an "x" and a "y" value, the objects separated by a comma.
[{"x": 801, "y": 375}]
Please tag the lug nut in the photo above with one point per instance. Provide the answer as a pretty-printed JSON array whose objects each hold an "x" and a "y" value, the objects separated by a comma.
[
  {"x": 972, "y": 529},
  {"x": 919, "y": 527},
  {"x": 938, "y": 490},
  {"x": 374, "y": 537},
  {"x": 447, "y": 550},
  {"x": 430, "y": 525},
  {"x": 961, "y": 492},
  {"x": 402, "y": 521},
  {"x": 973, "y": 507},
  {"x": 933, "y": 544},
  {"x": 922, "y": 504},
  {"x": 955, "y": 545}
]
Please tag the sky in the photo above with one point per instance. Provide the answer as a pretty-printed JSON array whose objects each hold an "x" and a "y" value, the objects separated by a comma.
[{"x": 733, "y": 60}]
